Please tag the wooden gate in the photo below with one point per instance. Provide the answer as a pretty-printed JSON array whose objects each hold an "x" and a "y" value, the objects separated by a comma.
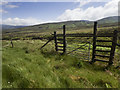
[
  {"x": 60, "y": 43},
  {"x": 112, "y": 47}
]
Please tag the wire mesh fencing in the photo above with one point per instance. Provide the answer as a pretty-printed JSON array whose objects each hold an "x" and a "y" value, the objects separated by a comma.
[{"x": 80, "y": 49}]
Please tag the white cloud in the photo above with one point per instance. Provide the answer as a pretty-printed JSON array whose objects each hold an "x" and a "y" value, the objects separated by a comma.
[
  {"x": 7, "y": 5},
  {"x": 0, "y": 20},
  {"x": 91, "y": 13},
  {"x": 3, "y": 11},
  {"x": 3, "y": 2},
  {"x": 53, "y": 0},
  {"x": 21, "y": 21},
  {"x": 24, "y": 0},
  {"x": 11, "y": 6},
  {"x": 24, "y": 21},
  {"x": 82, "y": 3},
  {"x": 92, "y": 0}
]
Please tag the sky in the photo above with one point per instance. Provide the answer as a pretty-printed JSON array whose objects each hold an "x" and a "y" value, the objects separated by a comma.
[{"x": 38, "y": 12}]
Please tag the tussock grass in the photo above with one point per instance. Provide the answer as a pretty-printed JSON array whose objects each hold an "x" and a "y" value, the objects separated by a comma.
[{"x": 26, "y": 66}]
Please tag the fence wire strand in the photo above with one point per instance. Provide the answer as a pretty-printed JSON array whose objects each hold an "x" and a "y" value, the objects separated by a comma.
[{"x": 83, "y": 50}]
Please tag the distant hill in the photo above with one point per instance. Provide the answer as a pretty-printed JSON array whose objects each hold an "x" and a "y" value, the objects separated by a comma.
[
  {"x": 112, "y": 19},
  {"x": 4, "y": 27},
  {"x": 36, "y": 31},
  {"x": 71, "y": 25},
  {"x": 109, "y": 21}
]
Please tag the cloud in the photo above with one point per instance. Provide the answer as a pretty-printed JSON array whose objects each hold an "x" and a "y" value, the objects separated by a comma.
[
  {"x": 0, "y": 20},
  {"x": 82, "y": 3},
  {"x": 54, "y": 0},
  {"x": 6, "y": 5},
  {"x": 24, "y": 0},
  {"x": 25, "y": 21},
  {"x": 3, "y": 2},
  {"x": 3, "y": 11},
  {"x": 21, "y": 21},
  {"x": 11, "y": 6},
  {"x": 91, "y": 13}
]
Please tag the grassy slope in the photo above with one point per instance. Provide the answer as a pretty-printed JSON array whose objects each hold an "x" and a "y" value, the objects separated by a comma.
[
  {"x": 27, "y": 66},
  {"x": 29, "y": 35},
  {"x": 48, "y": 28}
]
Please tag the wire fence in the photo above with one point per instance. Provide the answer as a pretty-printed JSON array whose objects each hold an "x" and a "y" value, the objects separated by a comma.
[
  {"x": 83, "y": 49},
  {"x": 80, "y": 49}
]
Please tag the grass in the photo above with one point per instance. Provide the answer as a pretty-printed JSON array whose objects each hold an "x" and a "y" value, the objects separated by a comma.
[{"x": 26, "y": 66}]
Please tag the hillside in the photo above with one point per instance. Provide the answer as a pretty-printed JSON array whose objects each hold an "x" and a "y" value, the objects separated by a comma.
[
  {"x": 5, "y": 27},
  {"x": 112, "y": 19},
  {"x": 70, "y": 24},
  {"x": 48, "y": 28}
]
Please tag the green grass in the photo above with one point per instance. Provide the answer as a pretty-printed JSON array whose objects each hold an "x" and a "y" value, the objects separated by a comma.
[{"x": 26, "y": 66}]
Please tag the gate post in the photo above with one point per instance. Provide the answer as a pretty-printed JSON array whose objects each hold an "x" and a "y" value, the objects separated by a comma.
[
  {"x": 114, "y": 41},
  {"x": 55, "y": 38},
  {"x": 94, "y": 42},
  {"x": 12, "y": 43},
  {"x": 64, "y": 40}
]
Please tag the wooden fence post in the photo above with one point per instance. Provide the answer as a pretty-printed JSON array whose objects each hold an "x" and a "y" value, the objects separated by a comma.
[
  {"x": 89, "y": 52},
  {"x": 64, "y": 40},
  {"x": 55, "y": 38},
  {"x": 114, "y": 41},
  {"x": 12, "y": 43},
  {"x": 94, "y": 41}
]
